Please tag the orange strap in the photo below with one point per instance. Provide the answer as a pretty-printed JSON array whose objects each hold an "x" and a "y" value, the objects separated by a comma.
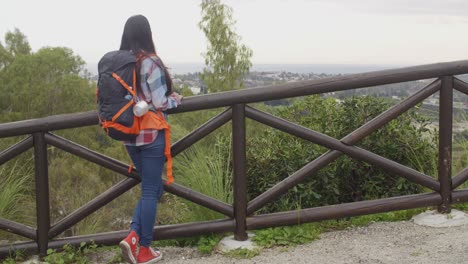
[
  {"x": 124, "y": 84},
  {"x": 130, "y": 166},
  {"x": 123, "y": 109},
  {"x": 133, "y": 130},
  {"x": 167, "y": 153},
  {"x": 167, "y": 149}
]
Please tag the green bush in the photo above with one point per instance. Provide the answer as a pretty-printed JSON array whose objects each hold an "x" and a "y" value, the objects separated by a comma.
[{"x": 274, "y": 155}]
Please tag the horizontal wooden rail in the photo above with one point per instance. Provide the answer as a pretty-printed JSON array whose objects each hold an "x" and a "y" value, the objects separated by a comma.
[
  {"x": 49, "y": 123},
  {"x": 325, "y": 85},
  {"x": 343, "y": 210},
  {"x": 460, "y": 196},
  {"x": 226, "y": 99},
  {"x": 113, "y": 238}
]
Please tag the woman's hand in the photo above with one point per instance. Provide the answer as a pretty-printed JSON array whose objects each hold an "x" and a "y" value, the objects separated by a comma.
[{"x": 177, "y": 97}]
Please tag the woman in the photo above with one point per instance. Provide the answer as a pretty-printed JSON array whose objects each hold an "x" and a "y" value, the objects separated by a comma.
[{"x": 154, "y": 85}]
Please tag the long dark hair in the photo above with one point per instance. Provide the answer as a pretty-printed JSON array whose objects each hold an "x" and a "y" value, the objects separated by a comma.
[{"x": 137, "y": 37}]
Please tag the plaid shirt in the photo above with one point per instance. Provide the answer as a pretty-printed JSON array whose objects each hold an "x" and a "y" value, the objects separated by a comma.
[{"x": 153, "y": 86}]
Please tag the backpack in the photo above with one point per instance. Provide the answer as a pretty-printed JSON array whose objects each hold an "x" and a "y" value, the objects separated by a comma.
[
  {"x": 115, "y": 95},
  {"x": 116, "y": 90}
]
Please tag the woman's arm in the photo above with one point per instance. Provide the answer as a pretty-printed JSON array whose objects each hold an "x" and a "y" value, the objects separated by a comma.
[{"x": 156, "y": 86}]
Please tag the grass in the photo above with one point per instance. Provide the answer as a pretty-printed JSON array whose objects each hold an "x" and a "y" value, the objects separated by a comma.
[
  {"x": 14, "y": 187},
  {"x": 206, "y": 170},
  {"x": 243, "y": 253},
  {"x": 288, "y": 236}
]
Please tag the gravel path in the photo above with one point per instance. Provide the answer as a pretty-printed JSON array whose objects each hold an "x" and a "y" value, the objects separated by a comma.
[{"x": 381, "y": 242}]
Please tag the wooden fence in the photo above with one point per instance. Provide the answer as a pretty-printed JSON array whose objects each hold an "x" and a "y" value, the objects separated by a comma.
[{"x": 241, "y": 216}]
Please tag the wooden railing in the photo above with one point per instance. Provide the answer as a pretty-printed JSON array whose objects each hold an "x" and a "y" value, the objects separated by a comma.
[{"x": 240, "y": 215}]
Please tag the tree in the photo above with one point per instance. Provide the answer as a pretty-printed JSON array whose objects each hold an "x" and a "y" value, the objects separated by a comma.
[
  {"x": 226, "y": 59},
  {"x": 16, "y": 44},
  {"x": 42, "y": 83}
]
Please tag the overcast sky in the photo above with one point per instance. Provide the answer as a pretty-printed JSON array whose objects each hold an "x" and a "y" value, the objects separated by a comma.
[{"x": 403, "y": 32}]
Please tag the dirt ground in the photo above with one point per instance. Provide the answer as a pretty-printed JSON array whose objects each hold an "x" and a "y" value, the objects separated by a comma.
[{"x": 381, "y": 242}]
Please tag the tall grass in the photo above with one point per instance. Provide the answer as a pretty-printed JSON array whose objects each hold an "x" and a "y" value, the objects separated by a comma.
[
  {"x": 205, "y": 168},
  {"x": 427, "y": 164},
  {"x": 14, "y": 188}
]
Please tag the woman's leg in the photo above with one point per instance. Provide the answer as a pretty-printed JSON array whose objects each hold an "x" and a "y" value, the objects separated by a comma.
[
  {"x": 153, "y": 159},
  {"x": 129, "y": 244}
]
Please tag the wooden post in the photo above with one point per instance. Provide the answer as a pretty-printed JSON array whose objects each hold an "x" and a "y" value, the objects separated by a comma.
[
  {"x": 239, "y": 181},
  {"x": 42, "y": 192},
  {"x": 445, "y": 143}
]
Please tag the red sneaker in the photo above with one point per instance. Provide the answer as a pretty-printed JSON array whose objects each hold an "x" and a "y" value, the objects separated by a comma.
[
  {"x": 129, "y": 247},
  {"x": 148, "y": 255}
]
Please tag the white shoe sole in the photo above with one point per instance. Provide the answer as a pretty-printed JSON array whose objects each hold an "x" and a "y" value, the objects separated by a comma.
[{"x": 127, "y": 252}]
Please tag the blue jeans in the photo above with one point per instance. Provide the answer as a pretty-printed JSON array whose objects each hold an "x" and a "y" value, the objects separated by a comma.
[{"x": 149, "y": 161}]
